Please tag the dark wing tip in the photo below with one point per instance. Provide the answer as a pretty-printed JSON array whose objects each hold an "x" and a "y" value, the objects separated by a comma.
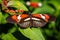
[
  {"x": 9, "y": 19},
  {"x": 52, "y": 18}
]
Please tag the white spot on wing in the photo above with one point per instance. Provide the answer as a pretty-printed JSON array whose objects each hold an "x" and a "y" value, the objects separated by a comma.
[
  {"x": 32, "y": 19},
  {"x": 19, "y": 18},
  {"x": 35, "y": 19},
  {"x": 27, "y": 19},
  {"x": 43, "y": 17}
]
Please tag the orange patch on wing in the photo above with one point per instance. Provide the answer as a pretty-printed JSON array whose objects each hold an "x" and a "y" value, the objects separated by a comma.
[
  {"x": 46, "y": 16},
  {"x": 24, "y": 16},
  {"x": 36, "y": 15},
  {"x": 14, "y": 17},
  {"x": 12, "y": 11},
  {"x": 19, "y": 10}
]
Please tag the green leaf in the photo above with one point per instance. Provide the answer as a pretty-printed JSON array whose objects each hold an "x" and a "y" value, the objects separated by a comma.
[
  {"x": 8, "y": 37},
  {"x": 18, "y": 5},
  {"x": 58, "y": 36},
  {"x": 57, "y": 6},
  {"x": 0, "y": 1},
  {"x": 3, "y": 19},
  {"x": 49, "y": 32},
  {"x": 32, "y": 33},
  {"x": 12, "y": 30},
  {"x": 38, "y": 32},
  {"x": 44, "y": 9},
  {"x": 52, "y": 24},
  {"x": 0, "y": 17}
]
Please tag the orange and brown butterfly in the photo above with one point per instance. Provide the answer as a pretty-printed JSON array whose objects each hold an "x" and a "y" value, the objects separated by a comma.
[
  {"x": 34, "y": 4},
  {"x": 26, "y": 20},
  {"x": 10, "y": 9},
  {"x": 13, "y": 11}
]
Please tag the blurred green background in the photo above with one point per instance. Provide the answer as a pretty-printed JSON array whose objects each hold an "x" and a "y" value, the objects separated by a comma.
[{"x": 51, "y": 31}]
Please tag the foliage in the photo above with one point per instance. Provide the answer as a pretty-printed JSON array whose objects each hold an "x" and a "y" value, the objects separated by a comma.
[{"x": 49, "y": 32}]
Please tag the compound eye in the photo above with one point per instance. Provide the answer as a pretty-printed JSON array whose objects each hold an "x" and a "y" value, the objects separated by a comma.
[
  {"x": 28, "y": 3},
  {"x": 39, "y": 4}
]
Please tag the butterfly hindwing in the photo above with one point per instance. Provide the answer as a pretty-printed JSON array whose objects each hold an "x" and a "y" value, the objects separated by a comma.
[
  {"x": 38, "y": 24},
  {"x": 24, "y": 24}
]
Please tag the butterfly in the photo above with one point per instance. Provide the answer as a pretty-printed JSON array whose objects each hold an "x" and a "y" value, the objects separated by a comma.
[
  {"x": 13, "y": 11},
  {"x": 9, "y": 9},
  {"x": 29, "y": 20},
  {"x": 34, "y": 4}
]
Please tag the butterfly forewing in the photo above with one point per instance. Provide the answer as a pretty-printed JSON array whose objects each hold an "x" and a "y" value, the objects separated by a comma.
[{"x": 9, "y": 20}]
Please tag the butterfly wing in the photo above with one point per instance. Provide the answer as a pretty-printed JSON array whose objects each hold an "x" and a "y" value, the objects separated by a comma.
[
  {"x": 39, "y": 20},
  {"x": 39, "y": 24},
  {"x": 19, "y": 20},
  {"x": 44, "y": 19},
  {"x": 24, "y": 24},
  {"x": 9, "y": 20}
]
